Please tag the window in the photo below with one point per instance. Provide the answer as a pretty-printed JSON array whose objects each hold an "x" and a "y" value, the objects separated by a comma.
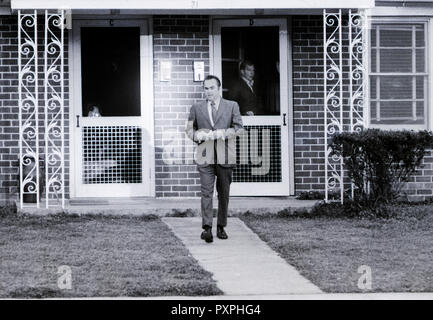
[
  {"x": 110, "y": 68},
  {"x": 239, "y": 44},
  {"x": 398, "y": 76}
]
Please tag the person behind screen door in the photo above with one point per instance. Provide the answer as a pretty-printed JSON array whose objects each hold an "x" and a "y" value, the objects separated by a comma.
[{"x": 245, "y": 90}]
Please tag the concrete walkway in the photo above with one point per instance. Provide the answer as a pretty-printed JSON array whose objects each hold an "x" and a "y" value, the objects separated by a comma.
[{"x": 242, "y": 264}]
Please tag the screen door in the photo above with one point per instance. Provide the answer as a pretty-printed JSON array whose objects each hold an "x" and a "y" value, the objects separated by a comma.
[
  {"x": 111, "y": 138},
  {"x": 251, "y": 59}
]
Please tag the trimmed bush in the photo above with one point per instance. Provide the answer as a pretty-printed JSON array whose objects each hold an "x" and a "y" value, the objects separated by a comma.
[
  {"x": 8, "y": 210},
  {"x": 380, "y": 162},
  {"x": 311, "y": 195}
]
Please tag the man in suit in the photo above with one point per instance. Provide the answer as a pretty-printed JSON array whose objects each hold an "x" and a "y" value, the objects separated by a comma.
[
  {"x": 245, "y": 91},
  {"x": 214, "y": 125}
]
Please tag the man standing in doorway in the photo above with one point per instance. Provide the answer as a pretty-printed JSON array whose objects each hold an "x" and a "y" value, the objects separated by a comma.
[
  {"x": 245, "y": 90},
  {"x": 213, "y": 124}
]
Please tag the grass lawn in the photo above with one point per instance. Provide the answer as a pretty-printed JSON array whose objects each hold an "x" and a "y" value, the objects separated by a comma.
[
  {"x": 328, "y": 251},
  {"x": 108, "y": 256}
]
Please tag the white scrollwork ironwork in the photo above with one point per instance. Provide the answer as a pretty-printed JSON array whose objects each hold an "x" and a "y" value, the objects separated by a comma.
[
  {"x": 32, "y": 178},
  {"x": 358, "y": 73},
  {"x": 333, "y": 90},
  {"x": 54, "y": 107},
  {"x": 333, "y": 102},
  {"x": 28, "y": 108}
]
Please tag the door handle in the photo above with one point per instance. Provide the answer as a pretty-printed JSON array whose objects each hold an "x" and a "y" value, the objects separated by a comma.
[
  {"x": 78, "y": 121},
  {"x": 284, "y": 119}
]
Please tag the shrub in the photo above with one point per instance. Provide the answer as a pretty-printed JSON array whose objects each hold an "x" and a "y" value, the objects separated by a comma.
[
  {"x": 8, "y": 210},
  {"x": 380, "y": 162},
  {"x": 311, "y": 195},
  {"x": 351, "y": 209},
  {"x": 319, "y": 195}
]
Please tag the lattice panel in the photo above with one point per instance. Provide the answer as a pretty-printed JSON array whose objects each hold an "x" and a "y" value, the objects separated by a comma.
[
  {"x": 258, "y": 155},
  {"x": 111, "y": 154}
]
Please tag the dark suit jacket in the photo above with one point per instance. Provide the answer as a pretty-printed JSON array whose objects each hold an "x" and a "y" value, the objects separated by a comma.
[
  {"x": 247, "y": 99},
  {"x": 228, "y": 117}
]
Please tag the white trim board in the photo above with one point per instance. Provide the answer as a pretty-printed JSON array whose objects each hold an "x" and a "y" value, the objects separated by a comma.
[
  {"x": 405, "y": 12},
  {"x": 189, "y": 4}
]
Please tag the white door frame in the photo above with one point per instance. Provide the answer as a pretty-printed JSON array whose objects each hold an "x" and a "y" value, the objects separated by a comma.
[
  {"x": 286, "y": 187},
  {"x": 146, "y": 120}
]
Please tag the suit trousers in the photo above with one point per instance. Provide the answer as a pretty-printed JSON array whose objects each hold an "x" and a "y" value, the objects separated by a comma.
[{"x": 223, "y": 180}]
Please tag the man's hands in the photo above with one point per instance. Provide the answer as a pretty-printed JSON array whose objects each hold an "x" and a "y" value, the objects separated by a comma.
[
  {"x": 205, "y": 135},
  {"x": 219, "y": 134}
]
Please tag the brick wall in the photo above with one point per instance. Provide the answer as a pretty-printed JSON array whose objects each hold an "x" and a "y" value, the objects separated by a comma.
[
  {"x": 420, "y": 185},
  {"x": 181, "y": 40},
  {"x": 8, "y": 118},
  {"x": 9, "y": 106},
  {"x": 308, "y": 116}
]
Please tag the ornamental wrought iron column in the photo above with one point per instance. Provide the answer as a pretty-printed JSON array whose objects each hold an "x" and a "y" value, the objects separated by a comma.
[
  {"x": 28, "y": 108},
  {"x": 333, "y": 102},
  {"x": 358, "y": 72},
  {"x": 358, "y": 69},
  {"x": 54, "y": 108},
  {"x": 32, "y": 180}
]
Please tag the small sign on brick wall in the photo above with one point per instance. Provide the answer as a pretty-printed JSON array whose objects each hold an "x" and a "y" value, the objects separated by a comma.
[
  {"x": 198, "y": 70},
  {"x": 164, "y": 70}
]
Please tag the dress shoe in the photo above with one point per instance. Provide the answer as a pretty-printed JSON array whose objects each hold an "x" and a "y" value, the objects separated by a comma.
[
  {"x": 207, "y": 235},
  {"x": 221, "y": 234}
]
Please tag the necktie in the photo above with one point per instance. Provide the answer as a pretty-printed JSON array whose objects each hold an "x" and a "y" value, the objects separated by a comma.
[
  {"x": 214, "y": 111},
  {"x": 251, "y": 85}
]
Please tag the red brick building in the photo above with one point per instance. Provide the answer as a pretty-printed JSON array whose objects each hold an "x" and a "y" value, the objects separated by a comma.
[{"x": 141, "y": 63}]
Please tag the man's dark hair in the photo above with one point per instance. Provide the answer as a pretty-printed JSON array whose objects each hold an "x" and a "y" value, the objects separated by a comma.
[
  {"x": 245, "y": 63},
  {"x": 212, "y": 77}
]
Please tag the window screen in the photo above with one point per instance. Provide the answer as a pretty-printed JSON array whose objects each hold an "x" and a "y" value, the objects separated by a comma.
[{"x": 398, "y": 75}]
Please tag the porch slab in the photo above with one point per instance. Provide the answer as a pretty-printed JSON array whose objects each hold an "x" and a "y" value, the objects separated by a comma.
[{"x": 166, "y": 207}]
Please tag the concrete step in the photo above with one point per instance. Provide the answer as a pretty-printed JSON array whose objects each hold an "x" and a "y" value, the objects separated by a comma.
[{"x": 181, "y": 207}]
